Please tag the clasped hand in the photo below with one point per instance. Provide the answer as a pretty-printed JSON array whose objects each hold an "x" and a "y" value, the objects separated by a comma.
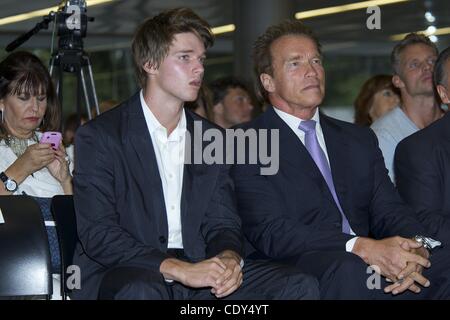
[{"x": 401, "y": 261}]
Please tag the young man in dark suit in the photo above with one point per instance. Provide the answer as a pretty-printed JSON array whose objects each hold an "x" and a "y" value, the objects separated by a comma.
[
  {"x": 152, "y": 226},
  {"x": 422, "y": 163},
  {"x": 331, "y": 208}
]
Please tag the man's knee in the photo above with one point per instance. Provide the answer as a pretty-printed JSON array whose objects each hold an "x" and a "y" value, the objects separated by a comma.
[
  {"x": 303, "y": 286},
  {"x": 139, "y": 289},
  {"x": 133, "y": 284},
  {"x": 349, "y": 265}
]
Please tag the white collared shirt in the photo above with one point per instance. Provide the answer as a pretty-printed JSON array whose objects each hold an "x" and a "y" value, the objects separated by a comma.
[
  {"x": 293, "y": 122},
  {"x": 169, "y": 151}
]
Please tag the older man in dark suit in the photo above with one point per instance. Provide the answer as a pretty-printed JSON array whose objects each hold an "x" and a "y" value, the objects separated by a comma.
[
  {"x": 331, "y": 208},
  {"x": 422, "y": 163}
]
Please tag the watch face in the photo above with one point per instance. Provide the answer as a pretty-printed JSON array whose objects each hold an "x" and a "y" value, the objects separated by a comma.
[{"x": 11, "y": 185}]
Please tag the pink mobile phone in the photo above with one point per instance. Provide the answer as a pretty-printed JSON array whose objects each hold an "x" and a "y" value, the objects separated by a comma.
[{"x": 52, "y": 137}]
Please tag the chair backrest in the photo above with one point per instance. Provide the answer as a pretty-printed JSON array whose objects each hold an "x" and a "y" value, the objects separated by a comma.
[
  {"x": 25, "y": 265},
  {"x": 66, "y": 227}
]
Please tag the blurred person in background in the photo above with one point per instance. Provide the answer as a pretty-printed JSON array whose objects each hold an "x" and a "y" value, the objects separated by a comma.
[
  {"x": 104, "y": 106},
  {"x": 413, "y": 61},
  {"x": 377, "y": 97},
  {"x": 203, "y": 105},
  {"x": 232, "y": 103},
  {"x": 71, "y": 125}
]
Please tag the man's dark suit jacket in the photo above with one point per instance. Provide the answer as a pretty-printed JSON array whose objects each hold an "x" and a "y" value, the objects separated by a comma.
[
  {"x": 293, "y": 212},
  {"x": 422, "y": 166},
  {"x": 119, "y": 201}
]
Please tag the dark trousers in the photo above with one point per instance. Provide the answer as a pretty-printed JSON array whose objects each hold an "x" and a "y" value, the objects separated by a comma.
[
  {"x": 344, "y": 275},
  {"x": 262, "y": 281}
]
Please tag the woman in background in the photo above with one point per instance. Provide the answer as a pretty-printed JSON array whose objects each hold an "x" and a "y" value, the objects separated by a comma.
[{"x": 377, "y": 97}]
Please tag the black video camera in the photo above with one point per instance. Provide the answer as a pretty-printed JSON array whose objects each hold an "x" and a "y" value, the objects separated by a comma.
[{"x": 70, "y": 20}]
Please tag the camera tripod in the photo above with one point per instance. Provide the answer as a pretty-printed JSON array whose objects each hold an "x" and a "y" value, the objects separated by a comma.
[
  {"x": 75, "y": 61},
  {"x": 71, "y": 22}
]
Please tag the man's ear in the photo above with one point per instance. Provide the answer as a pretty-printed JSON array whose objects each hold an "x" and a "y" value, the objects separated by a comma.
[
  {"x": 150, "y": 68},
  {"x": 397, "y": 82},
  {"x": 267, "y": 82},
  {"x": 443, "y": 93}
]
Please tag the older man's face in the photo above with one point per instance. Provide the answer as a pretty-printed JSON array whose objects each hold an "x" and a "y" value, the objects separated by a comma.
[{"x": 298, "y": 80}]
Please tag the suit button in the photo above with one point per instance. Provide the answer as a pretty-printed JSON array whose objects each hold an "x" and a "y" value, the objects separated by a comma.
[{"x": 162, "y": 239}]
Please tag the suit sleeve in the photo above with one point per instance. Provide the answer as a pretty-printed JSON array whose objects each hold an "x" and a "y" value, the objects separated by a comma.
[
  {"x": 221, "y": 227},
  {"x": 389, "y": 215},
  {"x": 267, "y": 224},
  {"x": 103, "y": 238},
  {"x": 419, "y": 183}
]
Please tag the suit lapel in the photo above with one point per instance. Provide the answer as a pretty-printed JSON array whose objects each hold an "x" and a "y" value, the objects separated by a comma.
[
  {"x": 188, "y": 171},
  {"x": 142, "y": 161},
  {"x": 193, "y": 195},
  {"x": 294, "y": 152},
  {"x": 292, "y": 149}
]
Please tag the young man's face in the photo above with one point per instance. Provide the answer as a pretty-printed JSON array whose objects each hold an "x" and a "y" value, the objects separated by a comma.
[
  {"x": 180, "y": 75},
  {"x": 416, "y": 70},
  {"x": 298, "y": 80}
]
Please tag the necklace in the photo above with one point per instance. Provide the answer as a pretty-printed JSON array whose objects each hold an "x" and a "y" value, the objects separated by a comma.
[{"x": 18, "y": 145}]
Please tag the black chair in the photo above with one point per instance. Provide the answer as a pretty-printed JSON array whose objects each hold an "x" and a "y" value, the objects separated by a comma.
[
  {"x": 25, "y": 265},
  {"x": 66, "y": 227}
]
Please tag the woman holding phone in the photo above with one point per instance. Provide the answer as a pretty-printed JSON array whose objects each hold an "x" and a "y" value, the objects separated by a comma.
[{"x": 29, "y": 108}]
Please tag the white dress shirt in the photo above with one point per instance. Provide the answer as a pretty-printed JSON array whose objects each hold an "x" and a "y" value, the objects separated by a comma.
[
  {"x": 293, "y": 123},
  {"x": 169, "y": 152}
]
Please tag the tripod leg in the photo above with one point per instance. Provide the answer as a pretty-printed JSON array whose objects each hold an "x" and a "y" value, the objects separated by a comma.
[
  {"x": 92, "y": 86},
  {"x": 52, "y": 63},
  {"x": 85, "y": 93},
  {"x": 59, "y": 90},
  {"x": 79, "y": 94}
]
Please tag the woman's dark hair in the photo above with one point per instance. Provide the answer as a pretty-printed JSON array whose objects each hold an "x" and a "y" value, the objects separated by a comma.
[
  {"x": 22, "y": 72},
  {"x": 364, "y": 100}
]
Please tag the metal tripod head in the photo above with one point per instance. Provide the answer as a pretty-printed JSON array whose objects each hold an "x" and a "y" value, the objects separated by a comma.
[{"x": 71, "y": 21}]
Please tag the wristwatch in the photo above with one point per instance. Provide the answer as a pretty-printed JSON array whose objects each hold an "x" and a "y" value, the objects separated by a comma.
[
  {"x": 427, "y": 243},
  {"x": 10, "y": 184}
]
